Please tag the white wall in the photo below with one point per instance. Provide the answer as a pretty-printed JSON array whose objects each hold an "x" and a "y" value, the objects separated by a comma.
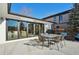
[
  {"x": 2, "y": 30},
  {"x": 3, "y": 13},
  {"x": 47, "y": 26},
  {"x": 3, "y": 9}
]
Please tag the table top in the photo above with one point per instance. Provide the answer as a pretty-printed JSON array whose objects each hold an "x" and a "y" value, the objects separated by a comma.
[{"x": 50, "y": 35}]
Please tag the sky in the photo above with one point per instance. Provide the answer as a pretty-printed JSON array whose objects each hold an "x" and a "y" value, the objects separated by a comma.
[{"x": 40, "y": 10}]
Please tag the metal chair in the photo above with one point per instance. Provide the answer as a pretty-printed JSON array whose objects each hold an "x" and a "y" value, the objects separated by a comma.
[
  {"x": 57, "y": 41},
  {"x": 64, "y": 34},
  {"x": 40, "y": 40}
]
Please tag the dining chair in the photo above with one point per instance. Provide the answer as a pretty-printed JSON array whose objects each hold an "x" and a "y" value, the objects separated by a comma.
[
  {"x": 57, "y": 40},
  {"x": 51, "y": 43},
  {"x": 61, "y": 41},
  {"x": 40, "y": 40},
  {"x": 64, "y": 34}
]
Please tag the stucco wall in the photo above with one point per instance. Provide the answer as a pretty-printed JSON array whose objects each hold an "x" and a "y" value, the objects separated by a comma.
[
  {"x": 2, "y": 30},
  {"x": 3, "y": 13},
  {"x": 3, "y": 9}
]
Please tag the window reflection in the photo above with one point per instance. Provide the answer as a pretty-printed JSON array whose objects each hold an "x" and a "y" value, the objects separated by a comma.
[
  {"x": 23, "y": 29},
  {"x": 41, "y": 28},
  {"x": 30, "y": 29},
  {"x": 12, "y": 29},
  {"x": 36, "y": 29}
]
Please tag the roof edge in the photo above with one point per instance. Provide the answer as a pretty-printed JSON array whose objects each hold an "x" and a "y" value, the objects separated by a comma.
[
  {"x": 9, "y": 8},
  {"x": 67, "y": 11},
  {"x": 42, "y": 19}
]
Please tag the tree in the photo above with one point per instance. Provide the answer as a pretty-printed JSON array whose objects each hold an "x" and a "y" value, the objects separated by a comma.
[{"x": 74, "y": 20}]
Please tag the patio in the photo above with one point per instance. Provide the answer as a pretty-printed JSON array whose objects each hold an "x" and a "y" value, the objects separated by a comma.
[{"x": 21, "y": 48}]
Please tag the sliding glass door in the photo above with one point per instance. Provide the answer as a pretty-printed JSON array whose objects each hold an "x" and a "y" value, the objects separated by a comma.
[
  {"x": 41, "y": 28},
  {"x": 36, "y": 29},
  {"x": 30, "y": 29},
  {"x": 22, "y": 29},
  {"x": 12, "y": 26}
]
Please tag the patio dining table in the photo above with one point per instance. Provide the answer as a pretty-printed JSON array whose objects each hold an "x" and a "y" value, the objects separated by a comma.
[{"x": 50, "y": 37}]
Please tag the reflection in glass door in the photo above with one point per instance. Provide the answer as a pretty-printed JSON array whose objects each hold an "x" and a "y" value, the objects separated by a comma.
[
  {"x": 30, "y": 29},
  {"x": 36, "y": 29},
  {"x": 12, "y": 27},
  {"x": 23, "y": 29}
]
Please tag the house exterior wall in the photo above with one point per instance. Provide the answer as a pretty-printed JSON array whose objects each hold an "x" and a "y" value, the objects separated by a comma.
[
  {"x": 64, "y": 21},
  {"x": 2, "y": 31},
  {"x": 3, "y": 13},
  {"x": 3, "y": 10}
]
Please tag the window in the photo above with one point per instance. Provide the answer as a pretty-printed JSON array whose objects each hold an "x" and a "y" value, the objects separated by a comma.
[
  {"x": 30, "y": 29},
  {"x": 41, "y": 28},
  {"x": 36, "y": 29},
  {"x": 60, "y": 19},
  {"x": 12, "y": 27},
  {"x": 23, "y": 29},
  {"x": 54, "y": 18}
]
